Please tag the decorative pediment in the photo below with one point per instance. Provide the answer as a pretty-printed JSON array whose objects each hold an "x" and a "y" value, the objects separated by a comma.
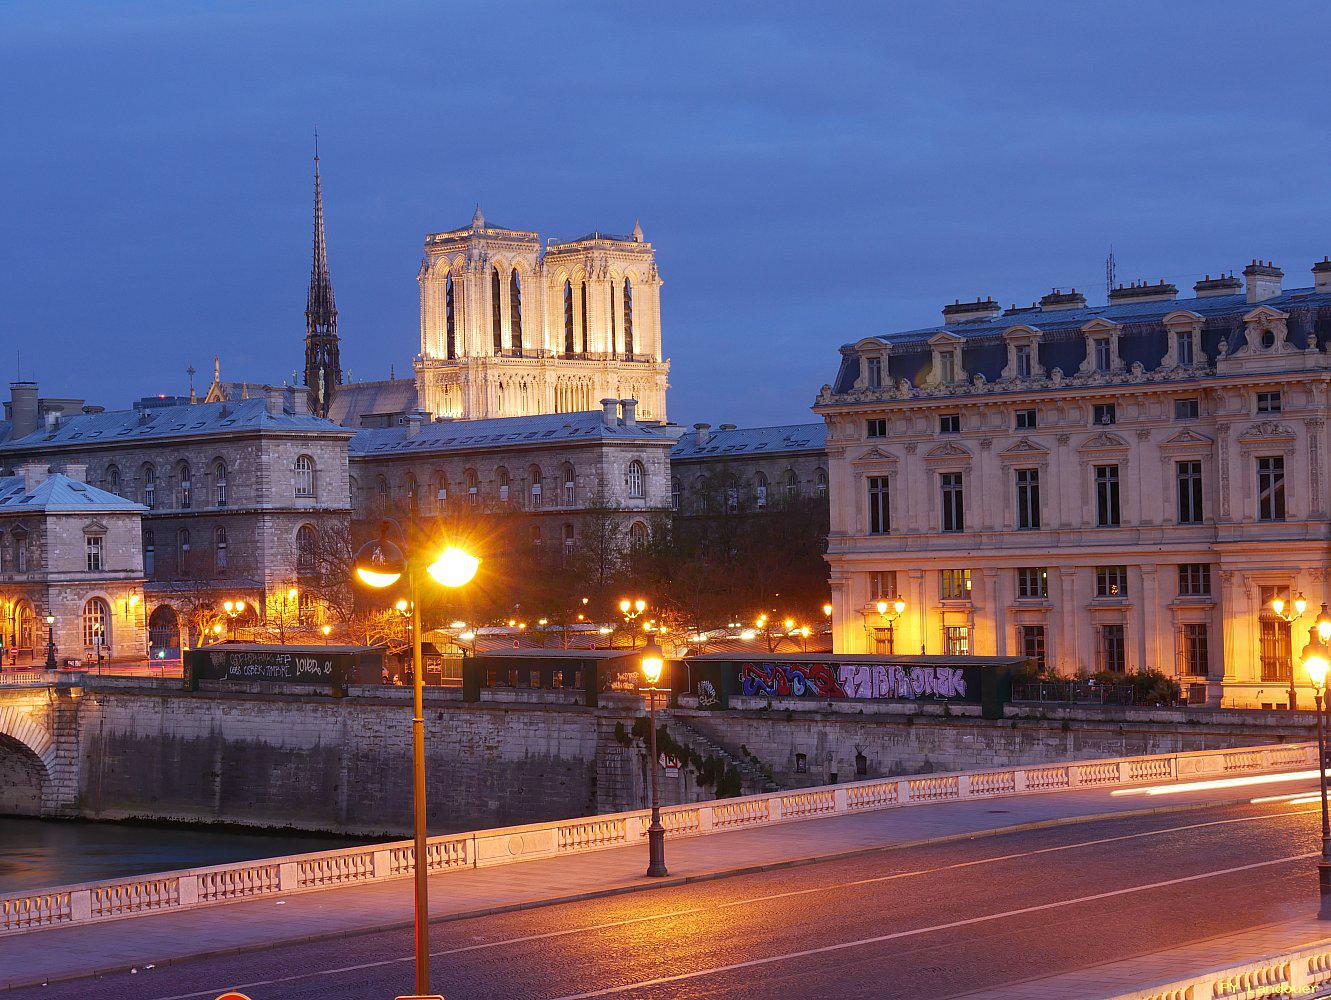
[
  {"x": 1022, "y": 332},
  {"x": 872, "y": 345},
  {"x": 1100, "y": 325},
  {"x": 945, "y": 339},
  {"x": 1186, "y": 438},
  {"x": 1104, "y": 441},
  {"x": 1266, "y": 431},
  {"x": 1265, "y": 314},
  {"x": 949, "y": 451},
  {"x": 1185, "y": 318},
  {"x": 94, "y": 528},
  {"x": 1025, "y": 448},
  {"x": 876, "y": 456}
]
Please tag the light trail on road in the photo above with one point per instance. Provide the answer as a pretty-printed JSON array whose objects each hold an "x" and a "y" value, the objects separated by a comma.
[{"x": 1204, "y": 786}]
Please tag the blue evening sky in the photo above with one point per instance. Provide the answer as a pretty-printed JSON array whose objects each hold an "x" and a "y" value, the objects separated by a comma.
[{"x": 809, "y": 172}]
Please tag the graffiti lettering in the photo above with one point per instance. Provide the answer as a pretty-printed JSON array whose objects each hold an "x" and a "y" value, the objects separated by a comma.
[
  {"x": 782, "y": 680},
  {"x": 872, "y": 680}
]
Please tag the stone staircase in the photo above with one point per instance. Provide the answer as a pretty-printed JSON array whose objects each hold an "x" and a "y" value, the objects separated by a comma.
[{"x": 753, "y": 780}]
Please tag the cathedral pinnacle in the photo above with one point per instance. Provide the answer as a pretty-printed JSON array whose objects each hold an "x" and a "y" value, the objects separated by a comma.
[
  {"x": 323, "y": 368},
  {"x": 637, "y": 231},
  {"x": 477, "y": 218}
]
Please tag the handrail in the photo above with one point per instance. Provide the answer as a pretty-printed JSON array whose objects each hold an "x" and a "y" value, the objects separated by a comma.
[
  {"x": 162, "y": 892},
  {"x": 1304, "y": 972}
]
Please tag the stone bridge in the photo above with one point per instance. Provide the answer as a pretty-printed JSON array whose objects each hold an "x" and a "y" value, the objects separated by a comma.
[{"x": 39, "y": 738}]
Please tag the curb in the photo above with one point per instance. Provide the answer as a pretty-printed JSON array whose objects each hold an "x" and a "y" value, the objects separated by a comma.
[{"x": 618, "y": 890}]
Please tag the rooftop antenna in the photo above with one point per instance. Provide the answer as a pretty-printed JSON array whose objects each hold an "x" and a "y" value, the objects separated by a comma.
[{"x": 1111, "y": 272}]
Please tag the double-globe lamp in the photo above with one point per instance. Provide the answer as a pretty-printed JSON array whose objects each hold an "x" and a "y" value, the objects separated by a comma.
[
  {"x": 382, "y": 563},
  {"x": 653, "y": 665}
]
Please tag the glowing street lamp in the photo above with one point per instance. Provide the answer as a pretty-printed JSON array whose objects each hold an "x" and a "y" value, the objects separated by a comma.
[
  {"x": 653, "y": 665},
  {"x": 379, "y": 564},
  {"x": 233, "y": 609},
  {"x": 1279, "y": 610},
  {"x": 1316, "y": 661},
  {"x": 50, "y": 642},
  {"x": 630, "y": 609},
  {"x": 827, "y": 610}
]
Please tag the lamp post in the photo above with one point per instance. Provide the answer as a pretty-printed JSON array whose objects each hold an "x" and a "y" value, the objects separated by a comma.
[
  {"x": 1278, "y": 609},
  {"x": 653, "y": 663},
  {"x": 630, "y": 609},
  {"x": 233, "y": 609},
  {"x": 380, "y": 564},
  {"x": 1315, "y": 664},
  {"x": 50, "y": 642},
  {"x": 888, "y": 613}
]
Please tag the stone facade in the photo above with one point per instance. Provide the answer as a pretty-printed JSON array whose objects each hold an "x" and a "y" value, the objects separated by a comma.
[
  {"x": 508, "y": 329},
  {"x": 1126, "y": 486},
  {"x": 737, "y": 470},
  {"x": 69, "y": 551},
  {"x": 554, "y": 468},
  {"x": 227, "y": 487}
]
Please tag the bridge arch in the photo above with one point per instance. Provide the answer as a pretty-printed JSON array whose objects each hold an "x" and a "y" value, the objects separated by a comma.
[{"x": 27, "y": 758}]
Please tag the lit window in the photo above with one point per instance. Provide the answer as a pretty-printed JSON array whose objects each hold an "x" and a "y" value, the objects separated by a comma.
[
  {"x": 637, "y": 476},
  {"x": 955, "y": 585},
  {"x": 94, "y": 548},
  {"x": 1111, "y": 581}
]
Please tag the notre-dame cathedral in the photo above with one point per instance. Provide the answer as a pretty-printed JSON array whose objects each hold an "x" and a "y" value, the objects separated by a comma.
[{"x": 511, "y": 328}]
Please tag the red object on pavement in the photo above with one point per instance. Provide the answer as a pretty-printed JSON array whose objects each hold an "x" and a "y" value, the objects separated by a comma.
[{"x": 233, "y": 995}]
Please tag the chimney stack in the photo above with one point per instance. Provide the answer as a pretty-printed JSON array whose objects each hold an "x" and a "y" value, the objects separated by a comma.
[
  {"x": 275, "y": 400},
  {"x": 610, "y": 412},
  {"x": 413, "y": 423},
  {"x": 1224, "y": 284},
  {"x": 22, "y": 408},
  {"x": 76, "y": 471},
  {"x": 960, "y": 312},
  {"x": 1057, "y": 299},
  {"x": 52, "y": 420},
  {"x": 1142, "y": 291},
  {"x": 34, "y": 474},
  {"x": 1322, "y": 274},
  {"x": 1263, "y": 279},
  {"x": 701, "y": 432},
  {"x": 727, "y": 427},
  {"x": 630, "y": 412}
]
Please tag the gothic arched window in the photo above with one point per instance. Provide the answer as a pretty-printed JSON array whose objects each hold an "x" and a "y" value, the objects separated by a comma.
[
  {"x": 637, "y": 477},
  {"x": 628, "y": 316},
  {"x": 304, "y": 476},
  {"x": 219, "y": 549},
  {"x": 584, "y": 318},
  {"x": 502, "y": 476},
  {"x": 148, "y": 483},
  {"x": 219, "y": 484},
  {"x": 820, "y": 483},
  {"x": 568, "y": 316},
  {"x": 676, "y": 493},
  {"x": 534, "y": 474},
  {"x": 413, "y": 495},
  {"x": 450, "y": 319},
  {"x": 515, "y": 311},
  {"x": 760, "y": 486},
  {"x": 496, "y": 311},
  {"x": 184, "y": 487},
  {"x": 305, "y": 550},
  {"x": 113, "y": 479},
  {"x": 473, "y": 487},
  {"x": 570, "y": 485},
  {"x": 182, "y": 551},
  {"x": 638, "y": 535},
  {"x": 792, "y": 484}
]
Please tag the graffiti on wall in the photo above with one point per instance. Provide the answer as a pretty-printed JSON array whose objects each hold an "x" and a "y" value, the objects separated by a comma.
[
  {"x": 851, "y": 680},
  {"x": 780, "y": 680}
]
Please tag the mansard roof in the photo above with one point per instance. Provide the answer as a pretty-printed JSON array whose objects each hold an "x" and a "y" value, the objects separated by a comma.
[
  {"x": 58, "y": 493},
  {"x": 387, "y": 397},
  {"x": 734, "y": 442},
  {"x": 115, "y": 427},
  {"x": 1143, "y": 334},
  {"x": 584, "y": 427}
]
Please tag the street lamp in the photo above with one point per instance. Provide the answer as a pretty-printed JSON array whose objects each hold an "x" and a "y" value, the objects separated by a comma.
[
  {"x": 233, "y": 609},
  {"x": 1316, "y": 656},
  {"x": 653, "y": 664},
  {"x": 50, "y": 642},
  {"x": 1278, "y": 609},
  {"x": 630, "y": 609},
  {"x": 888, "y": 613},
  {"x": 382, "y": 563}
]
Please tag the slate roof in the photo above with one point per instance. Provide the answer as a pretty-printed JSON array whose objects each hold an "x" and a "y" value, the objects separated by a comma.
[
  {"x": 60, "y": 494},
  {"x": 124, "y": 426},
  {"x": 1062, "y": 346},
  {"x": 513, "y": 432},
  {"x": 358, "y": 399},
  {"x": 781, "y": 439}
]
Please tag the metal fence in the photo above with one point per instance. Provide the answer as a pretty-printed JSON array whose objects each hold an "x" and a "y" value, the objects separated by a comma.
[{"x": 1077, "y": 692}]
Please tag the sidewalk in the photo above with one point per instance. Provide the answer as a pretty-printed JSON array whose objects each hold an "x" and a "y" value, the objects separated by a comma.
[
  {"x": 1140, "y": 974},
  {"x": 63, "y": 953}
]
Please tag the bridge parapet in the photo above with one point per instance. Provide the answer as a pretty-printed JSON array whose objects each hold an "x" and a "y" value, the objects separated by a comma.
[{"x": 65, "y": 906}]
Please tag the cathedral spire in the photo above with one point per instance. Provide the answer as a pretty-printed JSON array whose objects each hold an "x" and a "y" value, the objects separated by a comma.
[{"x": 323, "y": 368}]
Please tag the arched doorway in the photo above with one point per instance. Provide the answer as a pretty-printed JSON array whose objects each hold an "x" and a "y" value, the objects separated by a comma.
[
  {"x": 164, "y": 633},
  {"x": 22, "y": 779},
  {"x": 23, "y": 630}
]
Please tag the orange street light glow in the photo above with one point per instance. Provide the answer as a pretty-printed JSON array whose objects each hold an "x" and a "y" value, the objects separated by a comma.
[
  {"x": 375, "y": 579},
  {"x": 1201, "y": 786}
]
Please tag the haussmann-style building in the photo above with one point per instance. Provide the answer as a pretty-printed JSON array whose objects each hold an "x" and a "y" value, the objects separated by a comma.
[{"x": 1100, "y": 487}]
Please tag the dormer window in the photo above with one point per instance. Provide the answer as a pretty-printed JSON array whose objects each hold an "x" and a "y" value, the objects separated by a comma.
[
  {"x": 947, "y": 368},
  {"x": 1104, "y": 358},
  {"x": 1183, "y": 348},
  {"x": 874, "y": 373},
  {"x": 1023, "y": 353},
  {"x": 1022, "y": 356}
]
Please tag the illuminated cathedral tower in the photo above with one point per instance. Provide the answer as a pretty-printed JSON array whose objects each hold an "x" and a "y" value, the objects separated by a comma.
[
  {"x": 323, "y": 365},
  {"x": 511, "y": 329}
]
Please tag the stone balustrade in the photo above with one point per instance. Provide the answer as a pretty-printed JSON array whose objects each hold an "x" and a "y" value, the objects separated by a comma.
[
  {"x": 165, "y": 892},
  {"x": 1302, "y": 973}
]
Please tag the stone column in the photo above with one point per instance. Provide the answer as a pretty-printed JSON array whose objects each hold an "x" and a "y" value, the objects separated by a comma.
[
  {"x": 1149, "y": 644},
  {"x": 995, "y": 586}
]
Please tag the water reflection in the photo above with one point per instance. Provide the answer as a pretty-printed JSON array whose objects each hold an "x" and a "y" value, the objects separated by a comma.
[{"x": 36, "y": 853}]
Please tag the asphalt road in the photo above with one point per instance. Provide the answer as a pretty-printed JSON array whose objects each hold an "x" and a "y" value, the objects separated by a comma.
[{"x": 939, "y": 921}]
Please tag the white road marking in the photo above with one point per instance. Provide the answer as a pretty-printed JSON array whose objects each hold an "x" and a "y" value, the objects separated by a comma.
[
  {"x": 842, "y": 946},
  {"x": 692, "y": 911}
]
